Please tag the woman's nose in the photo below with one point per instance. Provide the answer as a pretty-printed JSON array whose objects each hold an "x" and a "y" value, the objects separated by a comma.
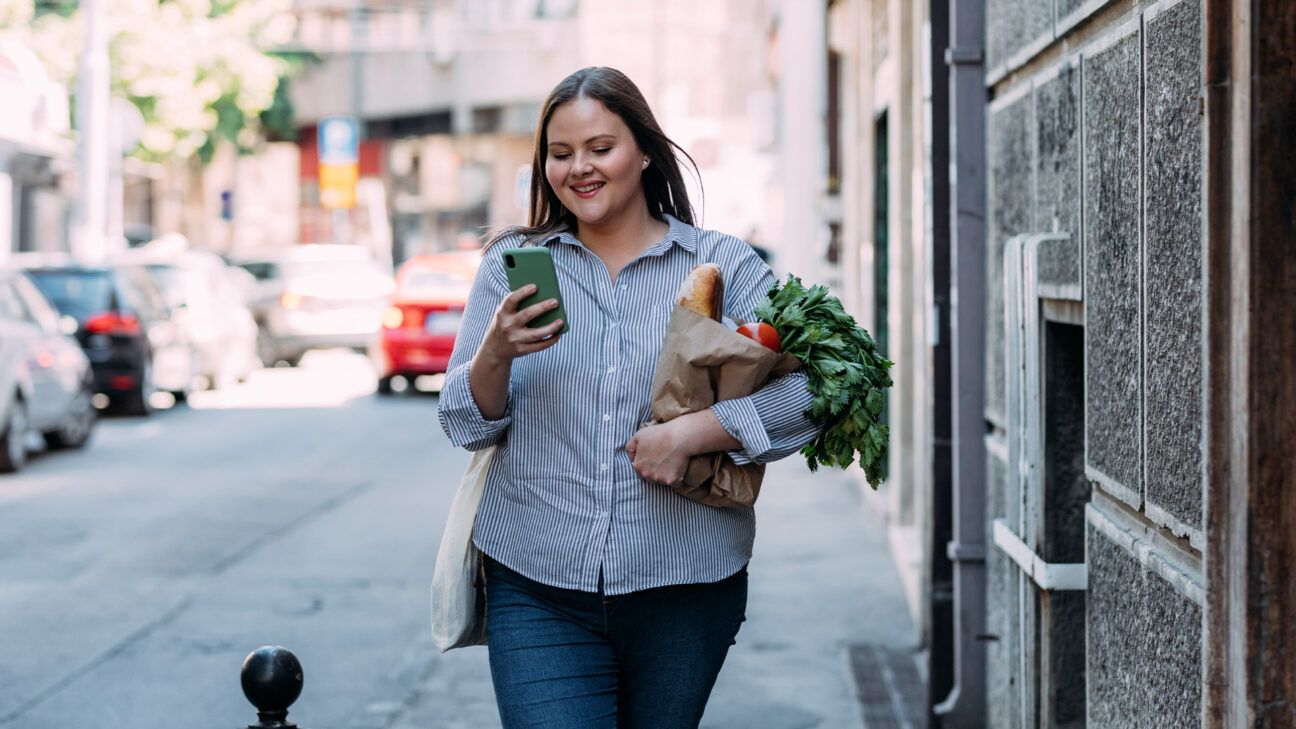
[{"x": 581, "y": 165}]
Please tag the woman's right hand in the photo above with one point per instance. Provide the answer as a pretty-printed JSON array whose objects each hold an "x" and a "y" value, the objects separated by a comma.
[{"x": 509, "y": 337}]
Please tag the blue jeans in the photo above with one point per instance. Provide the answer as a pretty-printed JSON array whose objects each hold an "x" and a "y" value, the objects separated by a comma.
[{"x": 575, "y": 660}]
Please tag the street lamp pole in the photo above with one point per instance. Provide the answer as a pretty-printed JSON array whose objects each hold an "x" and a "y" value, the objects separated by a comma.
[{"x": 89, "y": 240}]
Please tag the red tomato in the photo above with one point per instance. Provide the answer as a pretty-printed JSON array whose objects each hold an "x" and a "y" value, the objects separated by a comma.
[{"x": 763, "y": 333}]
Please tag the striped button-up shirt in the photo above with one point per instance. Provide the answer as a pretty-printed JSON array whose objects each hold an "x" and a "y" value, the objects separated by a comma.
[{"x": 563, "y": 504}]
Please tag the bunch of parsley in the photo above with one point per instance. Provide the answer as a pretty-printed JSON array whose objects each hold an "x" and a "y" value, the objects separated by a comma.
[{"x": 847, "y": 375}]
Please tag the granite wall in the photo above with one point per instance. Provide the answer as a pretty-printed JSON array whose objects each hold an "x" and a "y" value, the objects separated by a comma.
[
  {"x": 1012, "y": 25},
  {"x": 1103, "y": 140},
  {"x": 1057, "y": 171},
  {"x": 1011, "y": 157},
  {"x": 1113, "y": 364},
  {"x": 1172, "y": 285},
  {"x": 1144, "y": 644}
]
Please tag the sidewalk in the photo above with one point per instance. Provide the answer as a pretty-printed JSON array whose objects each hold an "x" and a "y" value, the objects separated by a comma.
[{"x": 823, "y": 593}]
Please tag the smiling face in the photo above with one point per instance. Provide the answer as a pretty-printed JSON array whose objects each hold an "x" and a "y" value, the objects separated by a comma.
[{"x": 593, "y": 163}]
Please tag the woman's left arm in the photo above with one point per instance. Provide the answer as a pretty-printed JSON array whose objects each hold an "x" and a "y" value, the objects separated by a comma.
[
  {"x": 765, "y": 426},
  {"x": 769, "y": 424}
]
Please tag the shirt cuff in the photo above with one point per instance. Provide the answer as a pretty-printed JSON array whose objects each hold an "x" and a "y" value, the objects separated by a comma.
[
  {"x": 740, "y": 419},
  {"x": 462, "y": 418}
]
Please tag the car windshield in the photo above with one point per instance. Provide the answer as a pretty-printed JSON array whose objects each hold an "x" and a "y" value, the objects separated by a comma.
[
  {"x": 179, "y": 286},
  {"x": 328, "y": 267},
  {"x": 11, "y": 306},
  {"x": 432, "y": 279},
  {"x": 435, "y": 284},
  {"x": 171, "y": 282},
  {"x": 76, "y": 293},
  {"x": 260, "y": 270}
]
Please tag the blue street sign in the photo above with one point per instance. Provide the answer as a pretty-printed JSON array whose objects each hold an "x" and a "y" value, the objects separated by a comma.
[{"x": 339, "y": 140}]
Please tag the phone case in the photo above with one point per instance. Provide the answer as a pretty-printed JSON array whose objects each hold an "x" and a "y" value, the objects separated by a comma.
[{"x": 535, "y": 266}]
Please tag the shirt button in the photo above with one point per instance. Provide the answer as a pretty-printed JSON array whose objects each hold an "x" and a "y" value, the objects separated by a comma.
[
  {"x": 603, "y": 467},
  {"x": 606, "y": 417},
  {"x": 611, "y": 370},
  {"x": 624, "y": 287}
]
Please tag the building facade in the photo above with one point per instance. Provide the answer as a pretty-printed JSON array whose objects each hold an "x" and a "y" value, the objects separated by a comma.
[
  {"x": 1094, "y": 363},
  {"x": 36, "y": 153},
  {"x": 450, "y": 94},
  {"x": 1040, "y": 219},
  {"x": 880, "y": 164}
]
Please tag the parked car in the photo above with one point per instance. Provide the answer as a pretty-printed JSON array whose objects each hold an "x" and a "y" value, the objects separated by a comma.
[
  {"x": 316, "y": 296},
  {"x": 122, "y": 322},
  {"x": 205, "y": 302},
  {"x": 418, "y": 328},
  {"x": 46, "y": 386}
]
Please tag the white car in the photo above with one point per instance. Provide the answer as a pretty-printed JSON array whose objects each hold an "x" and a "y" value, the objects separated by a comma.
[
  {"x": 207, "y": 305},
  {"x": 317, "y": 296},
  {"x": 46, "y": 386}
]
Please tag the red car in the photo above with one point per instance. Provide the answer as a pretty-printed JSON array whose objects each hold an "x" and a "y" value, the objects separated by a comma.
[{"x": 418, "y": 329}]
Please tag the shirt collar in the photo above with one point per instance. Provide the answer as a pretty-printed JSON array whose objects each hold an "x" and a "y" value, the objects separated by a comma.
[{"x": 680, "y": 233}]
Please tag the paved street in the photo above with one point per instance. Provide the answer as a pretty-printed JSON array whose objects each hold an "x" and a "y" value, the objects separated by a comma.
[{"x": 302, "y": 510}]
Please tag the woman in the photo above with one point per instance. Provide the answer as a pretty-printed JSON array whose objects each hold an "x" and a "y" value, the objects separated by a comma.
[{"x": 612, "y": 600}]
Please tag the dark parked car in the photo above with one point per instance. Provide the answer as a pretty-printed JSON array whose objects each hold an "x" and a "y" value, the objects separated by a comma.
[
  {"x": 46, "y": 386},
  {"x": 123, "y": 324}
]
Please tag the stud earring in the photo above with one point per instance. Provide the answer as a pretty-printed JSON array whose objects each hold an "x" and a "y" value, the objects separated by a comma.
[{"x": 645, "y": 164}]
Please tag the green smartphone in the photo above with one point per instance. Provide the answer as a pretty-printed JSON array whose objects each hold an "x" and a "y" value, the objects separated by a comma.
[{"x": 535, "y": 265}]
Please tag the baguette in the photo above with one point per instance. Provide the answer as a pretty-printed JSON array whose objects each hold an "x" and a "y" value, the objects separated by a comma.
[{"x": 703, "y": 291}]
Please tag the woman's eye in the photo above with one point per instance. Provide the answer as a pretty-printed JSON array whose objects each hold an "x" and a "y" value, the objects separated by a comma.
[
  {"x": 602, "y": 150},
  {"x": 560, "y": 155}
]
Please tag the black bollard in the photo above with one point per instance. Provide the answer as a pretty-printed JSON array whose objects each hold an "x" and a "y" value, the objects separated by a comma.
[{"x": 272, "y": 681}]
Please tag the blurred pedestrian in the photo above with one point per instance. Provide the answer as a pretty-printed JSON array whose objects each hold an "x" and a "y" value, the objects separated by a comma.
[{"x": 611, "y": 600}]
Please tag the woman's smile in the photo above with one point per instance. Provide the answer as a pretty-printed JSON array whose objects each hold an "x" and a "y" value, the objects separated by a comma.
[{"x": 587, "y": 190}]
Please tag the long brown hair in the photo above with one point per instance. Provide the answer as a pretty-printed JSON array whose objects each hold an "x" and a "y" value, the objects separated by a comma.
[{"x": 662, "y": 181}]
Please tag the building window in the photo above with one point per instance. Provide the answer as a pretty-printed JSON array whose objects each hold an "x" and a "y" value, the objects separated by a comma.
[
  {"x": 434, "y": 122},
  {"x": 486, "y": 119},
  {"x": 881, "y": 235},
  {"x": 833, "y": 121},
  {"x": 1065, "y": 493}
]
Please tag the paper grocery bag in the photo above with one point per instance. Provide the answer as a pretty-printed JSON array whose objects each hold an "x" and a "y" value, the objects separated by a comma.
[{"x": 702, "y": 361}]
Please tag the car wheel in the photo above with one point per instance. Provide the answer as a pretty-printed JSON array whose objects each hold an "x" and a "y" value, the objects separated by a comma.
[
  {"x": 76, "y": 430},
  {"x": 384, "y": 385},
  {"x": 266, "y": 349},
  {"x": 251, "y": 363},
  {"x": 13, "y": 441},
  {"x": 138, "y": 402}
]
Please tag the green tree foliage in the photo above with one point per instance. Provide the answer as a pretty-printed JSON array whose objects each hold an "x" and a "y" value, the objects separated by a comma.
[{"x": 200, "y": 71}]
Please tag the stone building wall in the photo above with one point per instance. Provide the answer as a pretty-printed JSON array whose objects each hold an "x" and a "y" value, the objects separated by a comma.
[
  {"x": 1095, "y": 131},
  {"x": 881, "y": 85}
]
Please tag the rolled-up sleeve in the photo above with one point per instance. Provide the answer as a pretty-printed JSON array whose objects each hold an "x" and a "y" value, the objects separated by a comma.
[
  {"x": 460, "y": 416},
  {"x": 770, "y": 424}
]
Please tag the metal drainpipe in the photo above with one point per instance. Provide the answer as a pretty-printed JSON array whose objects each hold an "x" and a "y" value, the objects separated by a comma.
[
  {"x": 941, "y": 616},
  {"x": 965, "y": 705}
]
